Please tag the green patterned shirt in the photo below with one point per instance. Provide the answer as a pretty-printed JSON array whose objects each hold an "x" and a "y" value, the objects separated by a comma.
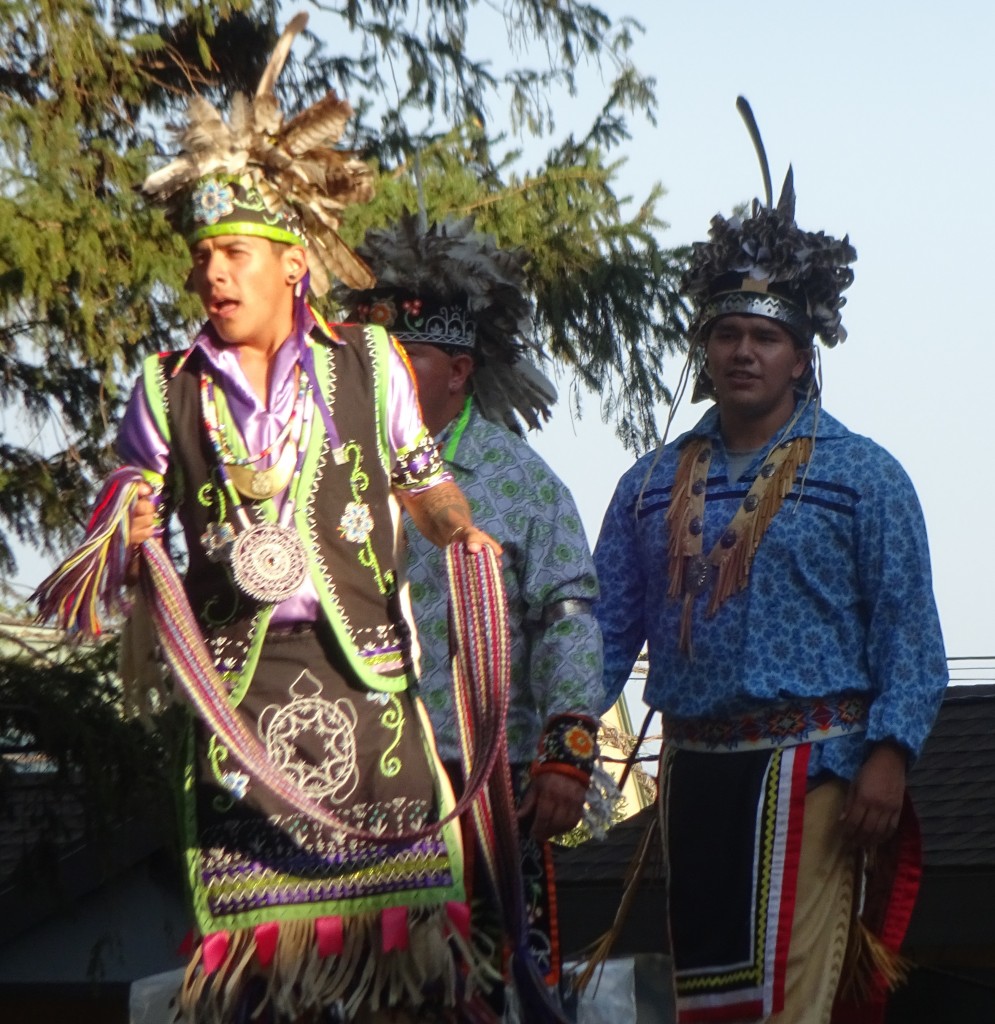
[{"x": 556, "y": 658}]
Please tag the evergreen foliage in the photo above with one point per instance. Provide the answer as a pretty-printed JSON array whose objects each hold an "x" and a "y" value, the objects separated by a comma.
[
  {"x": 62, "y": 728},
  {"x": 91, "y": 279},
  {"x": 608, "y": 312}
]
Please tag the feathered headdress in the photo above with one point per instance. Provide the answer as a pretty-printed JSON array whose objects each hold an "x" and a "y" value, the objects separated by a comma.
[
  {"x": 766, "y": 265},
  {"x": 445, "y": 284},
  {"x": 259, "y": 175}
]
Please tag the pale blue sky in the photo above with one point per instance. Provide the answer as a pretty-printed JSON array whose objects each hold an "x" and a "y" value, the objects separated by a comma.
[{"x": 887, "y": 116}]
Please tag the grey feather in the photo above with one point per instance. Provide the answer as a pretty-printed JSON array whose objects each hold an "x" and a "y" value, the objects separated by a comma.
[
  {"x": 786, "y": 203},
  {"x": 449, "y": 264},
  {"x": 746, "y": 112}
]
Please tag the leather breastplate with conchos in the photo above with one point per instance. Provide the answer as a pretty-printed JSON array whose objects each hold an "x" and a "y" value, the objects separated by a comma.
[{"x": 342, "y": 513}]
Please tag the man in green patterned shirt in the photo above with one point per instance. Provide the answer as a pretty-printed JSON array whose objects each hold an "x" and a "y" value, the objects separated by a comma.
[{"x": 455, "y": 303}]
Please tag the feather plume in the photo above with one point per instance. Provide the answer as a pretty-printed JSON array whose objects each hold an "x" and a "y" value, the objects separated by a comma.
[
  {"x": 240, "y": 122},
  {"x": 320, "y": 125},
  {"x": 205, "y": 129},
  {"x": 342, "y": 262},
  {"x": 280, "y": 54},
  {"x": 746, "y": 112},
  {"x": 267, "y": 117},
  {"x": 289, "y": 164}
]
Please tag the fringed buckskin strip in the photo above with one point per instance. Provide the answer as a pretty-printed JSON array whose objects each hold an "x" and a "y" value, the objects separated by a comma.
[
  {"x": 726, "y": 569},
  {"x": 301, "y": 979}
]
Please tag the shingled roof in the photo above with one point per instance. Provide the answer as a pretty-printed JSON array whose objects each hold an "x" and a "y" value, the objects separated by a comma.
[{"x": 953, "y": 783}]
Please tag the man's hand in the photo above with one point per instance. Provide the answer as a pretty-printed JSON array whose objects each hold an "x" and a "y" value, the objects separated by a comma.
[
  {"x": 874, "y": 800},
  {"x": 476, "y": 540},
  {"x": 554, "y": 802},
  {"x": 142, "y": 516},
  {"x": 142, "y": 526}
]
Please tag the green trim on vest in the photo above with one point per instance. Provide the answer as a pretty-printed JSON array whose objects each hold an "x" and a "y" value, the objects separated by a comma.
[
  {"x": 154, "y": 385},
  {"x": 330, "y": 604},
  {"x": 257, "y": 635},
  {"x": 379, "y": 342}
]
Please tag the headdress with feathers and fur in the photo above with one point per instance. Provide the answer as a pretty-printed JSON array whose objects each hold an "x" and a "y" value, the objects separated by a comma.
[
  {"x": 767, "y": 258},
  {"x": 765, "y": 265},
  {"x": 258, "y": 174},
  {"x": 448, "y": 285}
]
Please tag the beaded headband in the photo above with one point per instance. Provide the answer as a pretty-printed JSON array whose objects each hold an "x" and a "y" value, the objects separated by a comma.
[
  {"x": 233, "y": 206},
  {"x": 416, "y": 319}
]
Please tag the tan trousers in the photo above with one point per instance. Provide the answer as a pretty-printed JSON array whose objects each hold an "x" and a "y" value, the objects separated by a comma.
[{"x": 821, "y": 922}]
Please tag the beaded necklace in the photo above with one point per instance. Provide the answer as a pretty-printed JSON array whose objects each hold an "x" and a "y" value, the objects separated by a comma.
[
  {"x": 268, "y": 560},
  {"x": 257, "y": 484}
]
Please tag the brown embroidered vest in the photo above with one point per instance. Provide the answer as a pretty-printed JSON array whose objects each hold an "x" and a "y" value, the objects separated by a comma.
[{"x": 353, "y": 570}]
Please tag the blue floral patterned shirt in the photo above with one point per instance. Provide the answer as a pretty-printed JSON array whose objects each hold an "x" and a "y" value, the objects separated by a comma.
[
  {"x": 839, "y": 598},
  {"x": 556, "y": 665}
]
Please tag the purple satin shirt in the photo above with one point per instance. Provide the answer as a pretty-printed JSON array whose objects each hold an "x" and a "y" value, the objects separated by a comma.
[{"x": 139, "y": 442}]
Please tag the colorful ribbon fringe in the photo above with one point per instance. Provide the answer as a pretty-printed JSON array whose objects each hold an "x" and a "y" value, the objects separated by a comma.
[
  {"x": 482, "y": 687},
  {"x": 93, "y": 576}
]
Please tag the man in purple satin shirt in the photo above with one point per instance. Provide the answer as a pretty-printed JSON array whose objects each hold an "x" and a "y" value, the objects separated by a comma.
[{"x": 283, "y": 446}]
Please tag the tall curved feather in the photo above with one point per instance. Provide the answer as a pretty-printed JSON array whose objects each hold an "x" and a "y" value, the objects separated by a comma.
[
  {"x": 280, "y": 53},
  {"x": 746, "y": 113}
]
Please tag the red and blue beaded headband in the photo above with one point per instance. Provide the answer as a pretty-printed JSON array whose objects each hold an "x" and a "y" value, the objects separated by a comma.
[{"x": 411, "y": 318}]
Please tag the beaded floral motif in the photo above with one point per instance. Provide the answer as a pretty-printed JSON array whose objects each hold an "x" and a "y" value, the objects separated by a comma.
[
  {"x": 383, "y": 312},
  {"x": 211, "y": 201},
  {"x": 569, "y": 740},
  {"x": 218, "y": 541},
  {"x": 356, "y": 524},
  {"x": 237, "y": 783},
  {"x": 359, "y": 481}
]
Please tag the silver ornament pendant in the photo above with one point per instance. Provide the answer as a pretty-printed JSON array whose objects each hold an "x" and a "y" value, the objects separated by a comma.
[
  {"x": 269, "y": 562},
  {"x": 699, "y": 575}
]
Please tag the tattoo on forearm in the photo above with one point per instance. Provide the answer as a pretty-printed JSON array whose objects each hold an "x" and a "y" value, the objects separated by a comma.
[{"x": 445, "y": 508}]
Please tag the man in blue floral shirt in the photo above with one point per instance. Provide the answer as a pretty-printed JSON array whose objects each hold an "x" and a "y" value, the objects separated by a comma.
[
  {"x": 777, "y": 566},
  {"x": 455, "y": 303}
]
